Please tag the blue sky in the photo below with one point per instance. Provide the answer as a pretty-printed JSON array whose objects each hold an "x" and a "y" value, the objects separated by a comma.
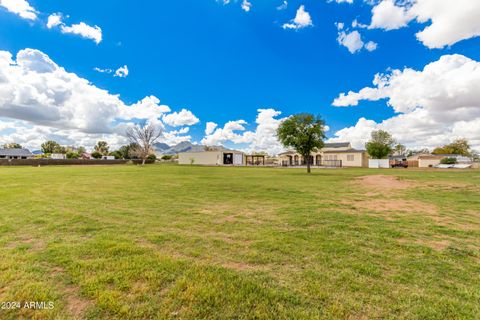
[{"x": 223, "y": 63}]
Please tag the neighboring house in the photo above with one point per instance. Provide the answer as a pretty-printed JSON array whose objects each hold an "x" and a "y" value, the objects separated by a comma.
[
  {"x": 86, "y": 156},
  {"x": 332, "y": 155},
  {"x": 213, "y": 158},
  {"x": 58, "y": 156},
  {"x": 15, "y": 154},
  {"x": 108, "y": 158},
  {"x": 433, "y": 160}
]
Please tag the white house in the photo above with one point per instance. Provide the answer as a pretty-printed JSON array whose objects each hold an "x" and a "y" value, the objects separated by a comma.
[
  {"x": 213, "y": 158},
  {"x": 15, "y": 154}
]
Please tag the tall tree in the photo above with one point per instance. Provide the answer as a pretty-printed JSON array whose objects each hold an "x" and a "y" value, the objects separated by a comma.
[
  {"x": 102, "y": 148},
  {"x": 51, "y": 147},
  {"x": 459, "y": 146},
  {"x": 380, "y": 144},
  {"x": 142, "y": 138},
  {"x": 399, "y": 149},
  {"x": 303, "y": 132},
  {"x": 12, "y": 145},
  {"x": 81, "y": 150}
]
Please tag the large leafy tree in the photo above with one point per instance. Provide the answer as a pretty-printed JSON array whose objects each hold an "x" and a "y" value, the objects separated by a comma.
[
  {"x": 380, "y": 144},
  {"x": 12, "y": 145},
  {"x": 102, "y": 148},
  {"x": 459, "y": 146},
  {"x": 303, "y": 132},
  {"x": 52, "y": 147}
]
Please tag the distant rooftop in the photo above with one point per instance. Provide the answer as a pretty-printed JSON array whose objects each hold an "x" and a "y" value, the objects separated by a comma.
[
  {"x": 337, "y": 145},
  {"x": 15, "y": 153}
]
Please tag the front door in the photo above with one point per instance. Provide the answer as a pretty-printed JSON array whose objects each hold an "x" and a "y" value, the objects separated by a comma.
[{"x": 228, "y": 158}]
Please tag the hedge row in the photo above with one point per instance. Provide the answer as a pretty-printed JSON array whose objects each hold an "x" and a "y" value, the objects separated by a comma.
[{"x": 65, "y": 162}]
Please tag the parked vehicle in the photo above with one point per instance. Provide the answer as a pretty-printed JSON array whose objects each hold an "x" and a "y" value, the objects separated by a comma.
[{"x": 399, "y": 164}]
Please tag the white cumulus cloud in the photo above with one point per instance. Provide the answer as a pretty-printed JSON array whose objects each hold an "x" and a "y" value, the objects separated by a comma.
[
  {"x": 20, "y": 7},
  {"x": 434, "y": 105},
  {"x": 386, "y": 15},
  {"x": 353, "y": 40},
  {"x": 122, "y": 72},
  {"x": 182, "y": 118},
  {"x": 449, "y": 21},
  {"x": 302, "y": 20},
  {"x": 246, "y": 5},
  {"x": 55, "y": 19},
  {"x": 40, "y": 99},
  {"x": 263, "y": 138},
  {"x": 82, "y": 29},
  {"x": 210, "y": 127}
]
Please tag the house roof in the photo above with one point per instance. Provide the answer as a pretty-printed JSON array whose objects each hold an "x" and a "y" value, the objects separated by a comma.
[
  {"x": 345, "y": 151},
  {"x": 333, "y": 145},
  {"x": 351, "y": 150},
  {"x": 218, "y": 151},
  {"x": 337, "y": 145},
  {"x": 15, "y": 153}
]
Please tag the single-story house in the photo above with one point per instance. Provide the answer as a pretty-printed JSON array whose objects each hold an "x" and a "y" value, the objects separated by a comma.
[
  {"x": 108, "y": 157},
  {"x": 213, "y": 158},
  {"x": 339, "y": 154},
  {"x": 86, "y": 156},
  {"x": 433, "y": 160},
  {"x": 15, "y": 154}
]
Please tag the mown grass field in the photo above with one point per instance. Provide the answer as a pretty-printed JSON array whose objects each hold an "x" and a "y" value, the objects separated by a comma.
[{"x": 172, "y": 242}]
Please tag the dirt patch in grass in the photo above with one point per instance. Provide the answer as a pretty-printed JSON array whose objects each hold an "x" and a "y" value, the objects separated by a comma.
[
  {"x": 75, "y": 304},
  {"x": 435, "y": 244},
  {"x": 34, "y": 244},
  {"x": 383, "y": 183},
  {"x": 398, "y": 205}
]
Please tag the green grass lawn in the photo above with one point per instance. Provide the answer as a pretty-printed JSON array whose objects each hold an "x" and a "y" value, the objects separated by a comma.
[{"x": 164, "y": 241}]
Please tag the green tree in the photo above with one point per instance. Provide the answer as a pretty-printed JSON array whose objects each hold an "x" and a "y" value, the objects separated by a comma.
[
  {"x": 117, "y": 154},
  {"x": 51, "y": 147},
  {"x": 448, "y": 161},
  {"x": 380, "y": 144},
  {"x": 459, "y": 146},
  {"x": 303, "y": 132},
  {"x": 399, "y": 149},
  {"x": 81, "y": 150},
  {"x": 102, "y": 148},
  {"x": 96, "y": 155},
  {"x": 12, "y": 145},
  {"x": 72, "y": 155}
]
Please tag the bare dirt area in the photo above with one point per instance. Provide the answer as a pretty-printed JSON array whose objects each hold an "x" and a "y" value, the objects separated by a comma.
[
  {"x": 383, "y": 183},
  {"x": 397, "y": 205}
]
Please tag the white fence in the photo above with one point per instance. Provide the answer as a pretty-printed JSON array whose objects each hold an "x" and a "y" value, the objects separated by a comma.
[{"x": 379, "y": 163}]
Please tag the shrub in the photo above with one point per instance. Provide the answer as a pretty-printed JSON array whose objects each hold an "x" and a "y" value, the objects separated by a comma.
[
  {"x": 96, "y": 155},
  {"x": 72, "y": 155},
  {"x": 152, "y": 157},
  {"x": 167, "y": 157},
  {"x": 448, "y": 161}
]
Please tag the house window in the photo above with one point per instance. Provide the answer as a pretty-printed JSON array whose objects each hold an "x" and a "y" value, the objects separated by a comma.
[
  {"x": 350, "y": 157},
  {"x": 335, "y": 157}
]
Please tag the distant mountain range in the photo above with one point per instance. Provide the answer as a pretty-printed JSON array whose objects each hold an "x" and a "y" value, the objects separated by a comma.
[{"x": 184, "y": 146}]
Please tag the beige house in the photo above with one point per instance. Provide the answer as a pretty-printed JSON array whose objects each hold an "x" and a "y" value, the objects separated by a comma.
[
  {"x": 331, "y": 155},
  {"x": 213, "y": 158},
  {"x": 428, "y": 161}
]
